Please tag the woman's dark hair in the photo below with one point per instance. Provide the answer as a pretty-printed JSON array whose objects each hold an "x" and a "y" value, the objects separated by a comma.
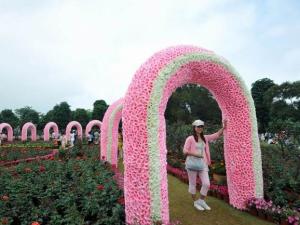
[{"x": 196, "y": 136}]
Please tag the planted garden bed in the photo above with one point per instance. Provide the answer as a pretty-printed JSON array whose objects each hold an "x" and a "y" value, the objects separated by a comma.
[
  {"x": 7, "y": 155},
  {"x": 66, "y": 190}
]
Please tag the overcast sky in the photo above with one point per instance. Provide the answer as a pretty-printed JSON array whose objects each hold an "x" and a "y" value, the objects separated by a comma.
[{"x": 83, "y": 50}]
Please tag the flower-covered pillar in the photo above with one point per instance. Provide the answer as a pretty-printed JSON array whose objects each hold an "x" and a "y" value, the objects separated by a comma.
[
  {"x": 47, "y": 129},
  {"x": 9, "y": 131},
  {"x": 32, "y": 129},
  {"x": 144, "y": 129},
  {"x": 109, "y": 132},
  {"x": 78, "y": 128},
  {"x": 90, "y": 125}
]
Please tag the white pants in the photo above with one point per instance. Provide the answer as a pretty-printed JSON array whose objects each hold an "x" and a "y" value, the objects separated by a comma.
[{"x": 204, "y": 180}]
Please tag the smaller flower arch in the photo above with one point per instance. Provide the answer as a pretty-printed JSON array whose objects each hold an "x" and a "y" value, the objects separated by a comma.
[
  {"x": 9, "y": 130},
  {"x": 70, "y": 126},
  {"x": 109, "y": 132},
  {"x": 25, "y": 128},
  {"x": 47, "y": 130},
  {"x": 90, "y": 125}
]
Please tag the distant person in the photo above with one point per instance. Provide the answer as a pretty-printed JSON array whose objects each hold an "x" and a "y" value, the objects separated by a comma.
[
  {"x": 90, "y": 138},
  {"x": 196, "y": 148},
  {"x": 262, "y": 137},
  {"x": 64, "y": 141},
  {"x": 59, "y": 139},
  {"x": 96, "y": 137},
  {"x": 53, "y": 135},
  {"x": 72, "y": 138},
  {"x": 75, "y": 136}
]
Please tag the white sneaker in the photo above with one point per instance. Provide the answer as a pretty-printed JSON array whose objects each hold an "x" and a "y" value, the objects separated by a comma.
[
  {"x": 197, "y": 206},
  {"x": 202, "y": 203}
]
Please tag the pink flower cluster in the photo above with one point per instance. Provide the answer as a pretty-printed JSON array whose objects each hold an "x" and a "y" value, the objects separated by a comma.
[
  {"x": 292, "y": 216},
  {"x": 179, "y": 173},
  {"x": 260, "y": 203},
  {"x": 293, "y": 220},
  {"x": 222, "y": 189}
]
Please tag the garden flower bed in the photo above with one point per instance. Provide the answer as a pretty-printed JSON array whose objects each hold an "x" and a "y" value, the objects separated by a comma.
[
  {"x": 74, "y": 189},
  {"x": 26, "y": 145},
  {"x": 13, "y": 154},
  {"x": 273, "y": 213}
]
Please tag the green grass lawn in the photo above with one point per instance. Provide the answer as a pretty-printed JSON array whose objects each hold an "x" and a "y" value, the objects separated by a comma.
[{"x": 182, "y": 209}]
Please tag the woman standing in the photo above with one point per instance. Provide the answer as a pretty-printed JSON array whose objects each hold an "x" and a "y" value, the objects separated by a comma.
[{"x": 198, "y": 159}]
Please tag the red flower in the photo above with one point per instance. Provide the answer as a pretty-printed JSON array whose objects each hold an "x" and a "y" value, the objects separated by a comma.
[
  {"x": 5, "y": 198},
  {"x": 121, "y": 201},
  {"x": 35, "y": 223},
  {"x": 42, "y": 169},
  {"x": 103, "y": 157},
  {"x": 4, "y": 220},
  {"x": 100, "y": 187}
]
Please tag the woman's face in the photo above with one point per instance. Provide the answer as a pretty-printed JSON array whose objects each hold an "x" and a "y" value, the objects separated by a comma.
[{"x": 199, "y": 129}]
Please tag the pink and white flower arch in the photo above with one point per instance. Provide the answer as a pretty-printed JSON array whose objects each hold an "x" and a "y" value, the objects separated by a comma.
[
  {"x": 90, "y": 125},
  {"x": 146, "y": 191},
  {"x": 47, "y": 130},
  {"x": 109, "y": 132},
  {"x": 32, "y": 129},
  {"x": 10, "y": 135},
  {"x": 70, "y": 126}
]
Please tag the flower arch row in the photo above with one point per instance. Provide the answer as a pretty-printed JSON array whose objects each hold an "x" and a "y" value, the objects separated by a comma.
[
  {"x": 9, "y": 130},
  {"x": 30, "y": 126},
  {"x": 109, "y": 132},
  {"x": 144, "y": 128}
]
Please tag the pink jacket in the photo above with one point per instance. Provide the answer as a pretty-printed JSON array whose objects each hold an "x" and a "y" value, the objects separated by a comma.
[{"x": 190, "y": 145}]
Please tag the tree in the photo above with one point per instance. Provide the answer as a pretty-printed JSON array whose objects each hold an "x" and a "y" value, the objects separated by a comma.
[
  {"x": 258, "y": 90},
  {"x": 9, "y": 117},
  {"x": 61, "y": 115},
  {"x": 283, "y": 101},
  {"x": 81, "y": 115},
  {"x": 44, "y": 119},
  {"x": 191, "y": 102},
  {"x": 27, "y": 114},
  {"x": 99, "y": 110}
]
